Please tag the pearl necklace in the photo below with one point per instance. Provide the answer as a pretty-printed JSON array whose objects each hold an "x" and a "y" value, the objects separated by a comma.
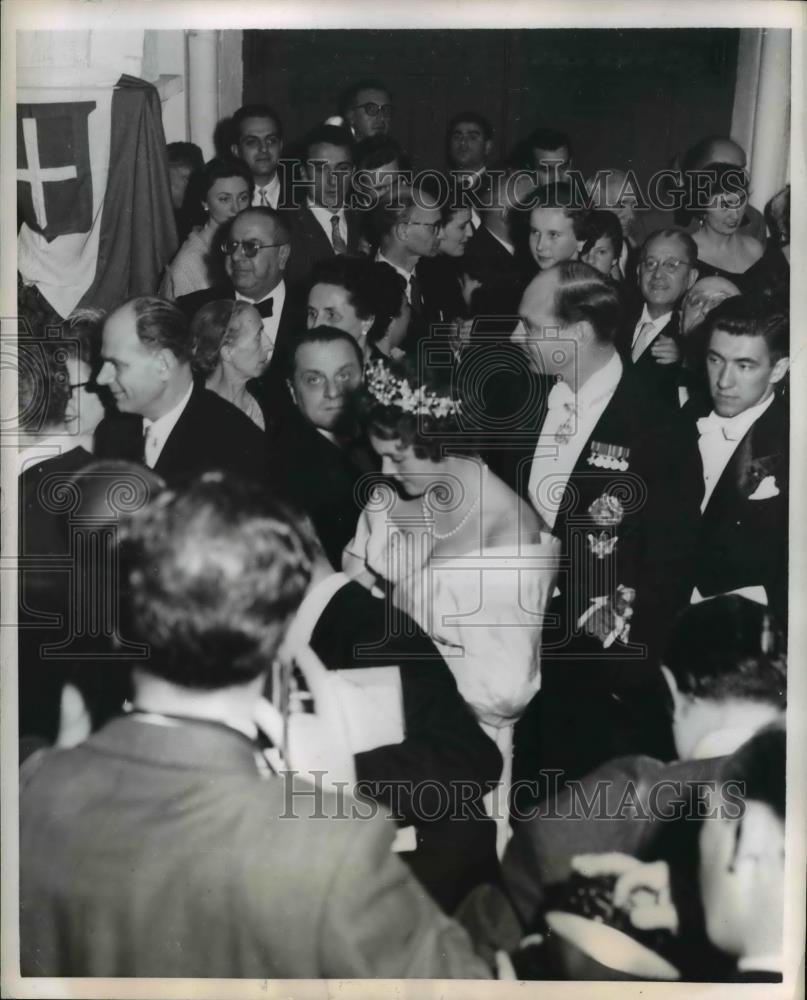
[{"x": 429, "y": 514}]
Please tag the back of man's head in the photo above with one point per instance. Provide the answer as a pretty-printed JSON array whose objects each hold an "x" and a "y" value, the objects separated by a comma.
[
  {"x": 582, "y": 293},
  {"x": 728, "y": 648},
  {"x": 212, "y": 576}
]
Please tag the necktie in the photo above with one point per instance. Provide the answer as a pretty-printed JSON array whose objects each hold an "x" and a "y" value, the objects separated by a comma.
[
  {"x": 264, "y": 198},
  {"x": 415, "y": 300},
  {"x": 642, "y": 340},
  {"x": 265, "y": 307},
  {"x": 562, "y": 398},
  {"x": 339, "y": 245},
  {"x": 149, "y": 446}
]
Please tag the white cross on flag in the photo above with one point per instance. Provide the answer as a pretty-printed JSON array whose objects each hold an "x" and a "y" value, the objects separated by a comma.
[{"x": 54, "y": 180}]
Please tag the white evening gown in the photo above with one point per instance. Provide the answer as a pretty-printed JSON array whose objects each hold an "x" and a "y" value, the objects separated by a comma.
[{"x": 483, "y": 610}]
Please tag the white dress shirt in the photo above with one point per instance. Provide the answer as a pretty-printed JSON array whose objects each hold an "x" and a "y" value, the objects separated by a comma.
[
  {"x": 406, "y": 275},
  {"x": 507, "y": 246},
  {"x": 719, "y": 437},
  {"x": 324, "y": 216},
  {"x": 271, "y": 191},
  {"x": 570, "y": 420},
  {"x": 270, "y": 323},
  {"x": 156, "y": 431},
  {"x": 638, "y": 349}
]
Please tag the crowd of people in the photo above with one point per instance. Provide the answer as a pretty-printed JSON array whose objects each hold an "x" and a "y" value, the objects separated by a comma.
[{"x": 403, "y": 584}]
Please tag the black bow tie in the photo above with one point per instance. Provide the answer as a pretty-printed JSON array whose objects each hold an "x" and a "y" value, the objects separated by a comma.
[{"x": 264, "y": 307}]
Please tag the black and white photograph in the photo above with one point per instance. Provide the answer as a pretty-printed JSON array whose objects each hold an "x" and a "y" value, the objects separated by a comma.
[{"x": 401, "y": 560}]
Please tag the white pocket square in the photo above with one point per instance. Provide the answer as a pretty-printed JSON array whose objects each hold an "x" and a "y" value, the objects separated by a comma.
[{"x": 766, "y": 489}]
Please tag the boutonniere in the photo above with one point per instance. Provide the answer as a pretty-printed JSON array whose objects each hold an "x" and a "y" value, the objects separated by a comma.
[
  {"x": 766, "y": 489},
  {"x": 602, "y": 545},
  {"x": 609, "y": 456}
]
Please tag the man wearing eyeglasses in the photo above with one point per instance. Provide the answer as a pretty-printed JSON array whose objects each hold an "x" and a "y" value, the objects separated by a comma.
[
  {"x": 650, "y": 339},
  {"x": 258, "y": 141},
  {"x": 408, "y": 231},
  {"x": 367, "y": 109}
]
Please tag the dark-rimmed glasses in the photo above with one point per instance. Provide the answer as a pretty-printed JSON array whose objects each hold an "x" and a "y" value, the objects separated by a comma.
[
  {"x": 250, "y": 247},
  {"x": 373, "y": 110}
]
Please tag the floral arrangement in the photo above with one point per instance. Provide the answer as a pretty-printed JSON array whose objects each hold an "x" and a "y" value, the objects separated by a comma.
[{"x": 390, "y": 390}]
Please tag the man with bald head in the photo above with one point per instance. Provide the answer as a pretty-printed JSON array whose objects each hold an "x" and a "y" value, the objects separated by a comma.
[
  {"x": 585, "y": 434},
  {"x": 704, "y": 296},
  {"x": 163, "y": 420}
]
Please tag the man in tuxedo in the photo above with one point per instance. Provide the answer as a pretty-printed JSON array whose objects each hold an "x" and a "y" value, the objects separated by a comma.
[
  {"x": 316, "y": 458},
  {"x": 366, "y": 108},
  {"x": 258, "y": 141},
  {"x": 549, "y": 153},
  {"x": 650, "y": 338},
  {"x": 470, "y": 144},
  {"x": 744, "y": 451},
  {"x": 163, "y": 420},
  {"x": 614, "y": 478},
  {"x": 164, "y": 845},
  {"x": 321, "y": 225},
  {"x": 408, "y": 230},
  {"x": 426, "y": 734}
]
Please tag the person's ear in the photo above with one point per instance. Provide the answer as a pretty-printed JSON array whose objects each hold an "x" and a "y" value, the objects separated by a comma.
[
  {"x": 780, "y": 369},
  {"x": 283, "y": 256},
  {"x": 366, "y": 324},
  {"x": 166, "y": 362},
  {"x": 693, "y": 277},
  {"x": 400, "y": 229},
  {"x": 235, "y": 150},
  {"x": 205, "y": 206},
  {"x": 226, "y": 351},
  {"x": 488, "y": 147},
  {"x": 292, "y": 393}
]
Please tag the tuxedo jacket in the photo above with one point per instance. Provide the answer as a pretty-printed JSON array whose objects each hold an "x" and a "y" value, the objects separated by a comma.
[
  {"x": 210, "y": 434},
  {"x": 310, "y": 244},
  {"x": 153, "y": 850},
  {"x": 663, "y": 379},
  {"x": 443, "y": 742},
  {"x": 743, "y": 541},
  {"x": 659, "y": 496},
  {"x": 503, "y": 275},
  {"x": 321, "y": 478}
]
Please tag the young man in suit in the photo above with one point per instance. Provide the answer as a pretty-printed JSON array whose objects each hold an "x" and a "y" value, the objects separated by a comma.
[
  {"x": 258, "y": 141},
  {"x": 428, "y": 760},
  {"x": 744, "y": 450},
  {"x": 321, "y": 224},
  {"x": 163, "y": 420},
  {"x": 614, "y": 478},
  {"x": 315, "y": 458},
  {"x": 165, "y": 845},
  {"x": 366, "y": 108},
  {"x": 650, "y": 337}
]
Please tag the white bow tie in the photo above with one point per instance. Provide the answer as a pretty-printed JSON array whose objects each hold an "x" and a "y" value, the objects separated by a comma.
[{"x": 714, "y": 424}]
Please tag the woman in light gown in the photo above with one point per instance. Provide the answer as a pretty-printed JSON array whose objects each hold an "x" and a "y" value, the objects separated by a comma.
[{"x": 456, "y": 549}]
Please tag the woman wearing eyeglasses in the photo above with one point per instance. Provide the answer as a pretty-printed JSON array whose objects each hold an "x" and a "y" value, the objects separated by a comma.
[
  {"x": 217, "y": 195},
  {"x": 720, "y": 198}
]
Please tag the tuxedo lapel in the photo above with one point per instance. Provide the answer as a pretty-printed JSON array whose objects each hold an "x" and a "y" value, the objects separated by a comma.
[{"x": 184, "y": 434}]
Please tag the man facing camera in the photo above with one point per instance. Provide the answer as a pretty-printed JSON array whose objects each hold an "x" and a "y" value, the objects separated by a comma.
[
  {"x": 316, "y": 459},
  {"x": 744, "y": 450},
  {"x": 164, "y": 845},
  {"x": 163, "y": 420},
  {"x": 258, "y": 141}
]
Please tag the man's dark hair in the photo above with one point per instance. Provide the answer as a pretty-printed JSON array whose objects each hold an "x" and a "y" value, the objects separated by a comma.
[
  {"x": 377, "y": 150},
  {"x": 387, "y": 215},
  {"x": 548, "y": 138},
  {"x": 674, "y": 232},
  {"x": 161, "y": 324},
  {"x": 279, "y": 221},
  {"x": 333, "y": 135},
  {"x": 728, "y": 647},
  {"x": 582, "y": 293},
  {"x": 319, "y": 335},
  {"x": 700, "y": 154},
  {"x": 254, "y": 111},
  {"x": 472, "y": 118},
  {"x": 347, "y": 98},
  {"x": 744, "y": 317},
  {"x": 212, "y": 576},
  {"x": 356, "y": 275},
  {"x": 185, "y": 154},
  {"x": 758, "y": 768}
]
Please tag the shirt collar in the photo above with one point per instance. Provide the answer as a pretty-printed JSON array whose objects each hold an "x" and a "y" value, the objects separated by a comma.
[
  {"x": 162, "y": 426},
  {"x": 602, "y": 383},
  {"x": 738, "y": 425},
  {"x": 326, "y": 213},
  {"x": 658, "y": 323},
  {"x": 271, "y": 187},
  {"x": 404, "y": 274},
  {"x": 278, "y": 293}
]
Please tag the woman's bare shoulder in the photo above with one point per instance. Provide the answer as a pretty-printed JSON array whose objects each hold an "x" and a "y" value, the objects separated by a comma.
[
  {"x": 508, "y": 518},
  {"x": 753, "y": 249}
]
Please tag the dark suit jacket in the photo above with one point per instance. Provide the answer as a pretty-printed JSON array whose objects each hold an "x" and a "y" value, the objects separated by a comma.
[
  {"x": 210, "y": 434},
  {"x": 443, "y": 743},
  {"x": 320, "y": 478},
  {"x": 663, "y": 379},
  {"x": 744, "y": 542},
  {"x": 310, "y": 244},
  {"x": 156, "y": 850},
  {"x": 503, "y": 276},
  {"x": 599, "y": 703}
]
